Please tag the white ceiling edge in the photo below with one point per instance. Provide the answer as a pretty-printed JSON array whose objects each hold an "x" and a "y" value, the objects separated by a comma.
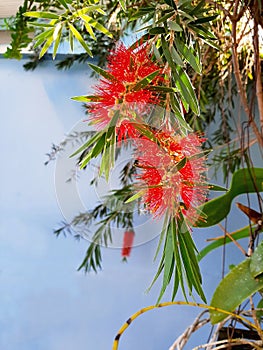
[{"x": 9, "y": 8}]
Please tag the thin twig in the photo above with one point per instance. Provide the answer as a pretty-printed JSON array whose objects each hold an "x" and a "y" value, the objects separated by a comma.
[
  {"x": 184, "y": 337},
  {"x": 241, "y": 90},
  {"x": 223, "y": 344}
]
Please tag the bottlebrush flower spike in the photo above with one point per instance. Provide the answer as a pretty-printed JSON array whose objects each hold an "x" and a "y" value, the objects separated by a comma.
[
  {"x": 127, "y": 243},
  {"x": 172, "y": 173},
  {"x": 128, "y": 67}
]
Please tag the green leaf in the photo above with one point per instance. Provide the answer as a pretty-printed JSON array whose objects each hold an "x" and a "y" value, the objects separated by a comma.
[
  {"x": 214, "y": 187},
  {"x": 89, "y": 143},
  {"x": 162, "y": 235},
  {"x": 99, "y": 146},
  {"x": 64, "y": 4},
  {"x": 259, "y": 313},
  {"x": 90, "y": 21},
  {"x": 145, "y": 81},
  {"x": 220, "y": 241},
  {"x": 186, "y": 15},
  {"x": 145, "y": 130},
  {"x": 176, "y": 57},
  {"x": 90, "y": 9},
  {"x": 189, "y": 55},
  {"x": 102, "y": 72},
  {"x": 157, "y": 30},
  {"x": 108, "y": 156},
  {"x": 190, "y": 263},
  {"x": 164, "y": 18},
  {"x": 169, "y": 262},
  {"x": 71, "y": 40},
  {"x": 256, "y": 265},
  {"x": 186, "y": 88},
  {"x": 86, "y": 99},
  {"x": 36, "y": 14},
  {"x": 79, "y": 37},
  {"x": 212, "y": 44},
  {"x": 123, "y": 4},
  {"x": 179, "y": 269},
  {"x": 90, "y": 31},
  {"x": 205, "y": 19},
  {"x": 40, "y": 38},
  {"x": 136, "y": 196},
  {"x": 236, "y": 287},
  {"x": 142, "y": 12},
  {"x": 178, "y": 166},
  {"x": 164, "y": 89},
  {"x": 171, "y": 3},
  {"x": 42, "y": 25},
  {"x": 243, "y": 181},
  {"x": 46, "y": 46},
  {"x": 57, "y": 37},
  {"x": 167, "y": 53},
  {"x": 179, "y": 114},
  {"x": 174, "y": 26}
]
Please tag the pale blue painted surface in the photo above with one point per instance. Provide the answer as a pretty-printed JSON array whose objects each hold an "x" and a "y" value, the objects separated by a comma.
[{"x": 45, "y": 304}]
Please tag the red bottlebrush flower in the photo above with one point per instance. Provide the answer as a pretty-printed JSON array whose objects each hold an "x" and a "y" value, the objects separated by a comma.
[
  {"x": 127, "y": 243},
  {"x": 173, "y": 170},
  {"x": 128, "y": 67}
]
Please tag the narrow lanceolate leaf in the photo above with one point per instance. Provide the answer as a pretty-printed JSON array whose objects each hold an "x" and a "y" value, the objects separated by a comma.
[
  {"x": 36, "y": 14},
  {"x": 123, "y": 4},
  {"x": 157, "y": 30},
  {"x": 86, "y": 99},
  {"x": 145, "y": 81},
  {"x": 189, "y": 55},
  {"x": 64, "y": 4},
  {"x": 136, "y": 196},
  {"x": 179, "y": 116},
  {"x": 171, "y": 3},
  {"x": 184, "y": 84},
  {"x": 176, "y": 57},
  {"x": 79, "y": 37},
  {"x": 174, "y": 26},
  {"x": 190, "y": 264},
  {"x": 167, "y": 53},
  {"x": 46, "y": 46},
  {"x": 100, "y": 28},
  {"x": 237, "y": 286},
  {"x": 42, "y": 37},
  {"x": 89, "y": 143},
  {"x": 90, "y": 31},
  {"x": 180, "y": 164},
  {"x": 145, "y": 130},
  {"x": 42, "y": 25},
  {"x": 57, "y": 37},
  {"x": 169, "y": 262},
  {"x": 102, "y": 72},
  {"x": 90, "y": 21},
  {"x": 71, "y": 40},
  {"x": 164, "y": 89},
  {"x": 179, "y": 268},
  {"x": 87, "y": 9},
  {"x": 99, "y": 146}
]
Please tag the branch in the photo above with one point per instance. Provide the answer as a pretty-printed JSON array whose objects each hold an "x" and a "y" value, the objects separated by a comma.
[
  {"x": 240, "y": 88},
  {"x": 184, "y": 337},
  {"x": 259, "y": 91}
]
